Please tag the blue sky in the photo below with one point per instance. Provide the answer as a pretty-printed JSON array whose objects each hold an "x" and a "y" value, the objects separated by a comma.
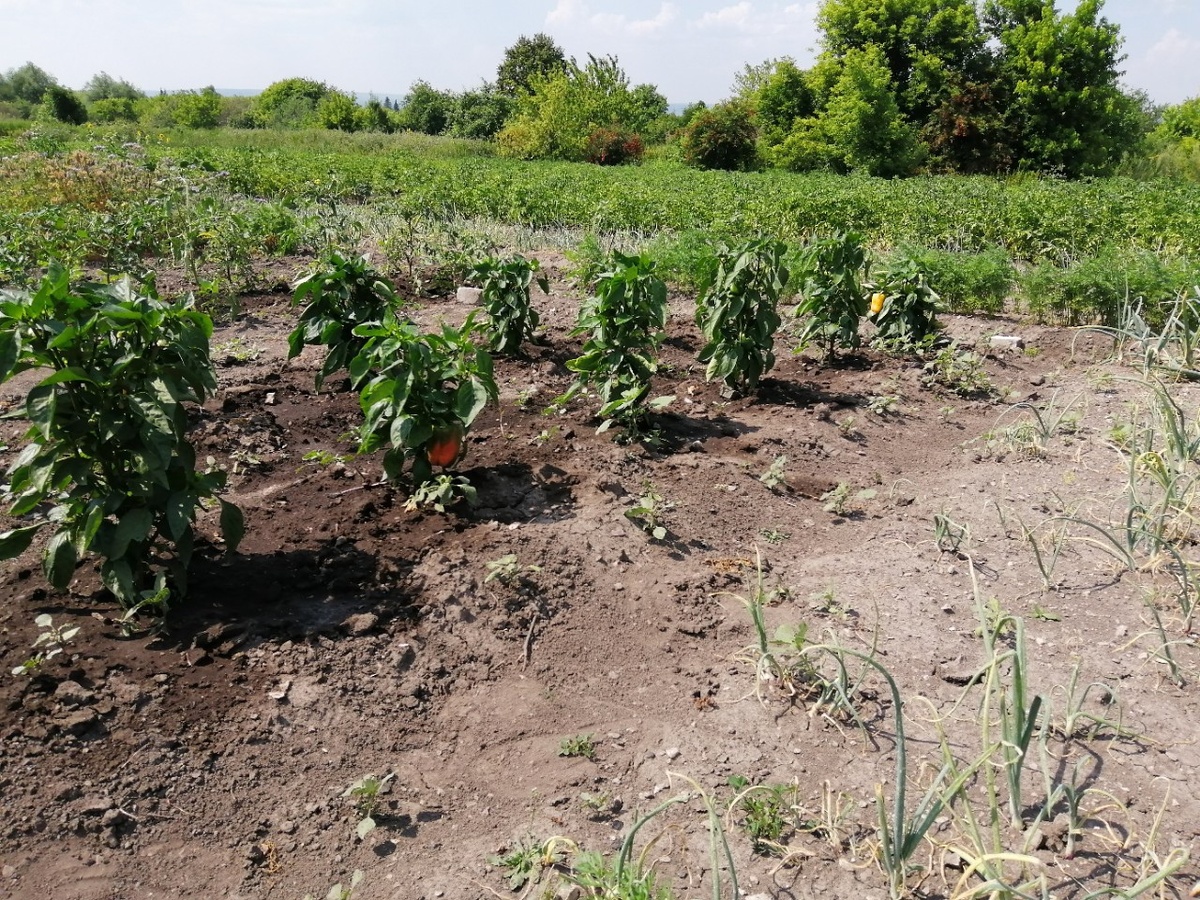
[{"x": 691, "y": 50}]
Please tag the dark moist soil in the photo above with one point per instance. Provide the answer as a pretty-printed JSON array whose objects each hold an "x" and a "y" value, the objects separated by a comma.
[{"x": 350, "y": 636}]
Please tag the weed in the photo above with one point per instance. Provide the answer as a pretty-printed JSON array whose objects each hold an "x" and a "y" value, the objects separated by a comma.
[
  {"x": 440, "y": 492},
  {"x": 238, "y": 350},
  {"x": 883, "y": 405},
  {"x": 841, "y": 500},
  {"x": 774, "y": 535},
  {"x": 765, "y": 813},
  {"x": 340, "y": 892},
  {"x": 958, "y": 371},
  {"x": 529, "y": 857},
  {"x": 775, "y": 476},
  {"x": 581, "y": 745}
]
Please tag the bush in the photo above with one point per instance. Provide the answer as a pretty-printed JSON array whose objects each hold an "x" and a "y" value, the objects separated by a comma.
[
  {"x": 721, "y": 138},
  {"x": 1093, "y": 290},
  {"x": 613, "y": 147},
  {"x": 112, "y": 109},
  {"x": 968, "y": 282},
  {"x": 63, "y": 105}
]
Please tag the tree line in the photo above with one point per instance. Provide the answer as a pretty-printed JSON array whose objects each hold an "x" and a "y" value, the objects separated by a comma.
[{"x": 899, "y": 87}]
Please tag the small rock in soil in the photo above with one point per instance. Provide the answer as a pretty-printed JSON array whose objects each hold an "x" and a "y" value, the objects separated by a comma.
[{"x": 361, "y": 623}]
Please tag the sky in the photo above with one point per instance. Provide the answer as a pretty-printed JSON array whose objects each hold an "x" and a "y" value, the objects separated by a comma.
[{"x": 689, "y": 49}]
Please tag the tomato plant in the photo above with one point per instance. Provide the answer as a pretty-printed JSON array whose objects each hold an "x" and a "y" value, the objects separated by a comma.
[
  {"x": 506, "y": 284},
  {"x": 419, "y": 394},
  {"x": 904, "y": 307},
  {"x": 625, "y": 319},
  {"x": 832, "y": 298},
  {"x": 339, "y": 295},
  {"x": 737, "y": 313},
  {"x": 107, "y": 450}
]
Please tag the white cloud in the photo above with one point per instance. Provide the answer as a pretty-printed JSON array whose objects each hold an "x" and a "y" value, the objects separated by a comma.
[
  {"x": 743, "y": 18},
  {"x": 574, "y": 13},
  {"x": 1174, "y": 45}
]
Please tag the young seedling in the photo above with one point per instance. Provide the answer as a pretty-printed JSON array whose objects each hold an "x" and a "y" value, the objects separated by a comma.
[
  {"x": 50, "y": 642},
  {"x": 340, "y": 892},
  {"x": 648, "y": 511},
  {"x": 368, "y": 795},
  {"x": 526, "y": 861},
  {"x": 507, "y": 570}
]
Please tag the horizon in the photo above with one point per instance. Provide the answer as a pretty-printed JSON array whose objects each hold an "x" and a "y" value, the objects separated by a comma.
[{"x": 689, "y": 53}]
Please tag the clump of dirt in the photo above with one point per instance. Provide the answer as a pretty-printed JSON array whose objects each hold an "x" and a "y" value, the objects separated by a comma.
[{"x": 350, "y": 636}]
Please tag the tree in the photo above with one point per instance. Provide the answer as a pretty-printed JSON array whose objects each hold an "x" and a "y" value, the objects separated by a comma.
[
  {"x": 25, "y": 86},
  {"x": 528, "y": 60},
  {"x": 481, "y": 113},
  {"x": 426, "y": 109},
  {"x": 198, "y": 109},
  {"x": 927, "y": 45},
  {"x": 860, "y": 129},
  {"x": 103, "y": 86},
  {"x": 337, "y": 110},
  {"x": 782, "y": 97},
  {"x": 1059, "y": 75}
]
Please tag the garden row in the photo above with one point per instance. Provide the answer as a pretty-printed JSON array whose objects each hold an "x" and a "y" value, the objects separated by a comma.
[
  {"x": 1070, "y": 252},
  {"x": 107, "y": 448}
]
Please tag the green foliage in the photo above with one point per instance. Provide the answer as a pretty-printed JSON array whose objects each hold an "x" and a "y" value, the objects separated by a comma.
[
  {"x": 337, "y": 110},
  {"x": 863, "y": 123},
  {"x": 625, "y": 320},
  {"x": 417, "y": 392},
  {"x": 1059, "y": 75},
  {"x": 907, "y": 318},
  {"x": 506, "y": 284},
  {"x": 968, "y": 282},
  {"x": 27, "y": 84},
  {"x": 479, "y": 114},
  {"x": 340, "y": 294},
  {"x": 582, "y": 745},
  {"x": 783, "y": 97},
  {"x": 112, "y": 109},
  {"x": 107, "y": 447},
  {"x": 720, "y": 138},
  {"x": 958, "y": 371},
  {"x": 927, "y": 45},
  {"x": 426, "y": 109},
  {"x": 290, "y": 103},
  {"x": 555, "y": 119},
  {"x": 1095, "y": 289},
  {"x": 737, "y": 313},
  {"x": 830, "y": 272},
  {"x": 103, "y": 86},
  {"x": 529, "y": 61}
]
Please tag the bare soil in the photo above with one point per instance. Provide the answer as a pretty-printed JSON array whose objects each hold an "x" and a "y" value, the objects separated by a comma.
[{"x": 350, "y": 636}]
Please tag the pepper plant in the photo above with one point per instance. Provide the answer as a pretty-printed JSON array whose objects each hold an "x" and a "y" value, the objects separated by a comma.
[
  {"x": 737, "y": 313},
  {"x": 832, "y": 299},
  {"x": 506, "y": 285},
  {"x": 419, "y": 394},
  {"x": 904, "y": 307},
  {"x": 341, "y": 294},
  {"x": 108, "y": 468},
  {"x": 625, "y": 320}
]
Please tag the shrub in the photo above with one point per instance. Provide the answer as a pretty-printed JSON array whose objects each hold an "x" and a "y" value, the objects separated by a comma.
[
  {"x": 1093, "y": 290},
  {"x": 613, "y": 147},
  {"x": 721, "y": 138},
  {"x": 63, "y": 105},
  {"x": 968, "y": 282}
]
